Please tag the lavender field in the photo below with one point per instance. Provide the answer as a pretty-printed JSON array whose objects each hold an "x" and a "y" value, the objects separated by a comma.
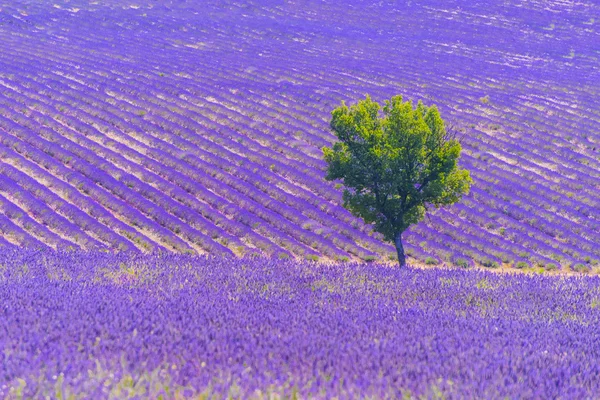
[
  {"x": 81, "y": 326},
  {"x": 198, "y": 127},
  {"x": 166, "y": 229}
]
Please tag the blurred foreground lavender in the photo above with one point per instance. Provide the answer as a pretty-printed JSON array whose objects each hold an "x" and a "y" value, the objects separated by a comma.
[{"x": 93, "y": 325}]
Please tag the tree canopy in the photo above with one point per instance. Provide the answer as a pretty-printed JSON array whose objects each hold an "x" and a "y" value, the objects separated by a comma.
[{"x": 395, "y": 162}]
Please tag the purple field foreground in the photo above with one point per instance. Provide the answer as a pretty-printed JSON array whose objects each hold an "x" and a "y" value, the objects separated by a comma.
[
  {"x": 197, "y": 126},
  {"x": 76, "y": 325}
]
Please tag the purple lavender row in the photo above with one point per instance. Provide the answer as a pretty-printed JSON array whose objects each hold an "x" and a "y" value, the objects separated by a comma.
[
  {"x": 203, "y": 112},
  {"x": 557, "y": 193},
  {"x": 541, "y": 130},
  {"x": 507, "y": 228},
  {"x": 86, "y": 163},
  {"x": 17, "y": 222},
  {"x": 508, "y": 180},
  {"x": 18, "y": 235},
  {"x": 344, "y": 215},
  {"x": 67, "y": 210},
  {"x": 471, "y": 139},
  {"x": 551, "y": 223},
  {"x": 141, "y": 184},
  {"x": 227, "y": 136},
  {"x": 455, "y": 240},
  {"x": 272, "y": 144},
  {"x": 452, "y": 97},
  {"x": 563, "y": 154},
  {"x": 83, "y": 128},
  {"x": 275, "y": 71},
  {"x": 254, "y": 95},
  {"x": 83, "y": 152},
  {"x": 295, "y": 121},
  {"x": 137, "y": 184},
  {"x": 496, "y": 245},
  {"x": 526, "y": 236},
  {"x": 529, "y": 162},
  {"x": 80, "y": 201},
  {"x": 92, "y": 206},
  {"x": 427, "y": 251},
  {"x": 529, "y": 156},
  {"x": 174, "y": 193},
  {"x": 130, "y": 181},
  {"x": 255, "y": 129},
  {"x": 523, "y": 215},
  {"x": 86, "y": 183},
  {"x": 460, "y": 242},
  {"x": 246, "y": 189},
  {"x": 39, "y": 211},
  {"x": 576, "y": 183}
]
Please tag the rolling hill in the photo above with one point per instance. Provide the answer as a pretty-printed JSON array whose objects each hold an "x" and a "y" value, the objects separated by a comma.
[{"x": 196, "y": 127}]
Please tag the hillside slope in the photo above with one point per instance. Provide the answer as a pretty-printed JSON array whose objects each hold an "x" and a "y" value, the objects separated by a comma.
[{"x": 129, "y": 125}]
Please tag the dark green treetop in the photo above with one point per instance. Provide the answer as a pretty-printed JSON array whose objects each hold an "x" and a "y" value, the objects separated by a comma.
[{"x": 394, "y": 164}]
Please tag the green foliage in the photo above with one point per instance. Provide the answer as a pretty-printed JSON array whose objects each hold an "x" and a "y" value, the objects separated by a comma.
[
  {"x": 582, "y": 268},
  {"x": 431, "y": 261},
  {"x": 551, "y": 267},
  {"x": 395, "y": 162},
  {"x": 462, "y": 262},
  {"x": 489, "y": 263},
  {"x": 522, "y": 264}
]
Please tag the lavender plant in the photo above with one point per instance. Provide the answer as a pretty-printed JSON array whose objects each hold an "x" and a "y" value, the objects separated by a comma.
[{"x": 96, "y": 325}]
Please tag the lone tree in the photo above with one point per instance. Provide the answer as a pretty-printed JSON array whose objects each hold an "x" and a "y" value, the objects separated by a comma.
[{"x": 395, "y": 165}]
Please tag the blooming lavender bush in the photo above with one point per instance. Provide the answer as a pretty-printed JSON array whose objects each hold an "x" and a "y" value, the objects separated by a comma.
[{"x": 93, "y": 325}]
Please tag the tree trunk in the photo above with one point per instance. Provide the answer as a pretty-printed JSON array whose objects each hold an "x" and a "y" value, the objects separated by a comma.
[{"x": 400, "y": 249}]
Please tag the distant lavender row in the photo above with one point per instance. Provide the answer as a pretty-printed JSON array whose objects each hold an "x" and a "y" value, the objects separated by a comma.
[{"x": 90, "y": 324}]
